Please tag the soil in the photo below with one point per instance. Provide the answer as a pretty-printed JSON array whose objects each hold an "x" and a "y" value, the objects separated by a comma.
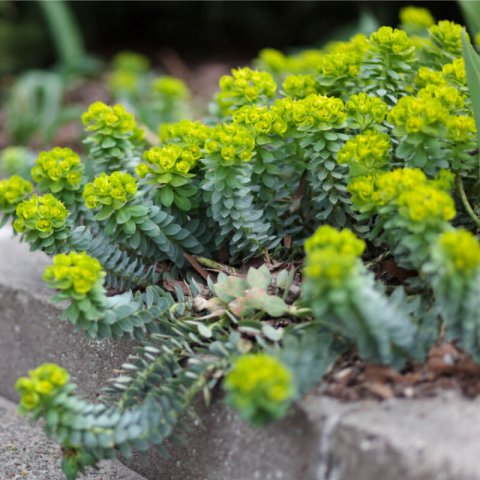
[{"x": 446, "y": 367}]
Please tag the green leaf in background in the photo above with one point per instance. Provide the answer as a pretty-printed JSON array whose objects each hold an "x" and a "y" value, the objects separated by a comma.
[
  {"x": 64, "y": 30},
  {"x": 472, "y": 68},
  {"x": 67, "y": 37},
  {"x": 471, "y": 15},
  {"x": 34, "y": 105}
]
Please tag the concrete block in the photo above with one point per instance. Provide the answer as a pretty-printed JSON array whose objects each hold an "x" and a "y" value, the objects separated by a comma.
[
  {"x": 26, "y": 454},
  {"x": 320, "y": 439},
  {"x": 31, "y": 332},
  {"x": 424, "y": 439}
]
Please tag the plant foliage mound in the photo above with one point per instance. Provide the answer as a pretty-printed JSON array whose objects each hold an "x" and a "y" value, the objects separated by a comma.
[{"x": 322, "y": 164}]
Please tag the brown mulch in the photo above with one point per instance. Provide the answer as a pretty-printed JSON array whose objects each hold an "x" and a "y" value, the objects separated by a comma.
[{"x": 446, "y": 367}]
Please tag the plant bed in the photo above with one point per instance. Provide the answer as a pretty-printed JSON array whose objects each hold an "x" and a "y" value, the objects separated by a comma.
[
  {"x": 319, "y": 435},
  {"x": 332, "y": 216}
]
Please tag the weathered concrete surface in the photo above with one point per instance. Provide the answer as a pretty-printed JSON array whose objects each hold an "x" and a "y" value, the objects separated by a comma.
[
  {"x": 321, "y": 438},
  {"x": 426, "y": 439},
  {"x": 223, "y": 447},
  {"x": 26, "y": 454},
  {"x": 31, "y": 332}
]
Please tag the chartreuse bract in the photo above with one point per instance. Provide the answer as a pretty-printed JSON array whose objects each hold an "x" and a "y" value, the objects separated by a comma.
[{"x": 325, "y": 163}]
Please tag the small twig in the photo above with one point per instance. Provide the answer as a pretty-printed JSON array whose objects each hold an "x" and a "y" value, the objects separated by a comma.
[
  {"x": 407, "y": 290},
  {"x": 464, "y": 199},
  {"x": 208, "y": 262},
  {"x": 193, "y": 262},
  {"x": 297, "y": 197},
  {"x": 150, "y": 137},
  {"x": 378, "y": 259}
]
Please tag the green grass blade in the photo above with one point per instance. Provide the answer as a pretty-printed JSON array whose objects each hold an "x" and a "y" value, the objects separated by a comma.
[
  {"x": 472, "y": 68},
  {"x": 64, "y": 30},
  {"x": 471, "y": 14}
]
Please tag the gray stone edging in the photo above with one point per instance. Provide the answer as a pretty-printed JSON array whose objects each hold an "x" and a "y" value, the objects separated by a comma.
[
  {"x": 30, "y": 330},
  {"x": 28, "y": 455},
  {"x": 320, "y": 439}
]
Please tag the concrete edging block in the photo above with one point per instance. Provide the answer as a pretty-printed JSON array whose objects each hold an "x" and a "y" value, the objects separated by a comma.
[
  {"x": 320, "y": 439},
  {"x": 28, "y": 455},
  {"x": 31, "y": 332}
]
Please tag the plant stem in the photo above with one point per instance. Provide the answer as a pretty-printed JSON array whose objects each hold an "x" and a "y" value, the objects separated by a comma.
[
  {"x": 379, "y": 259},
  {"x": 464, "y": 199},
  {"x": 207, "y": 262},
  {"x": 150, "y": 137}
]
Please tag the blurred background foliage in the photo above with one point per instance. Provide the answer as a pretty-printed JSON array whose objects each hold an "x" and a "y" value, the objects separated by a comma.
[
  {"x": 55, "y": 55},
  {"x": 196, "y": 31}
]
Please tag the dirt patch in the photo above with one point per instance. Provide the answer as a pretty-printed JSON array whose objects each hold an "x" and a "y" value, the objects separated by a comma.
[{"x": 446, "y": 367}]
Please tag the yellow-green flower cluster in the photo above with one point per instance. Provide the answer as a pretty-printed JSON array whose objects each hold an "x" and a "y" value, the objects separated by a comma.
[
  {"x": 313, "y": 112},
  {"x": 332, "y": 255},
  {"x": 357, "y": 47},
  {"x": 389, "y": 42},
  {"x": 42, "y": 385},
  {"x": 338, "y": 65},
  {"x": 185, "y": 133},
  {"x": 234, "y": 143},
  {"x": 303, "y": 62},
  {"x": 13, "y": 190},
  {"x": 169, "y": 159},
  {"x": 259, "y": 386},
  {"x": 418, "y": 115},
  {"x": 383, "y": 188},
  {"x": 444, "y": 180},
  {"x": 423, "y": 45},
  {"x": 170, "y": 88},
  {"x": 260, "y": 120},
  {"x": 300, "y": 86},
  {"x": 363, "y": 191},
  {"x": 460, "y": 251},
  {"x": 273, "y": 60},
  {"x": 407, "y": 189},
  {"x": 43, "y": 214},
  {"x": 14, "y": 160},
  {"x": 131, "y": 62},
  {"x": 426, "y": 77},
  {"x": 108, "y": 120},
  {"x": 455, "y": 72},
  {"x": 366, "y": 153},
  {"x": 113, "y": 190},
  {"x": 450, "y": 97},
  {"x": 77, "y": 272},
  {"x": 448, "y": 36},
  {"x": 243, "y": 87},
  {"x": 308, "y": 61},
  {"x": 123, "y": 81},
  {"x": 461, "y": 128},
  {"x": 416, "y": 18},
  {"x": 59, "y": 168},
  {"x": 426, "y": 204},
  {"x": 366, "y": 109},
  {"x": 352, "y": 53},
  {"x": 127, "y": 70}
]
